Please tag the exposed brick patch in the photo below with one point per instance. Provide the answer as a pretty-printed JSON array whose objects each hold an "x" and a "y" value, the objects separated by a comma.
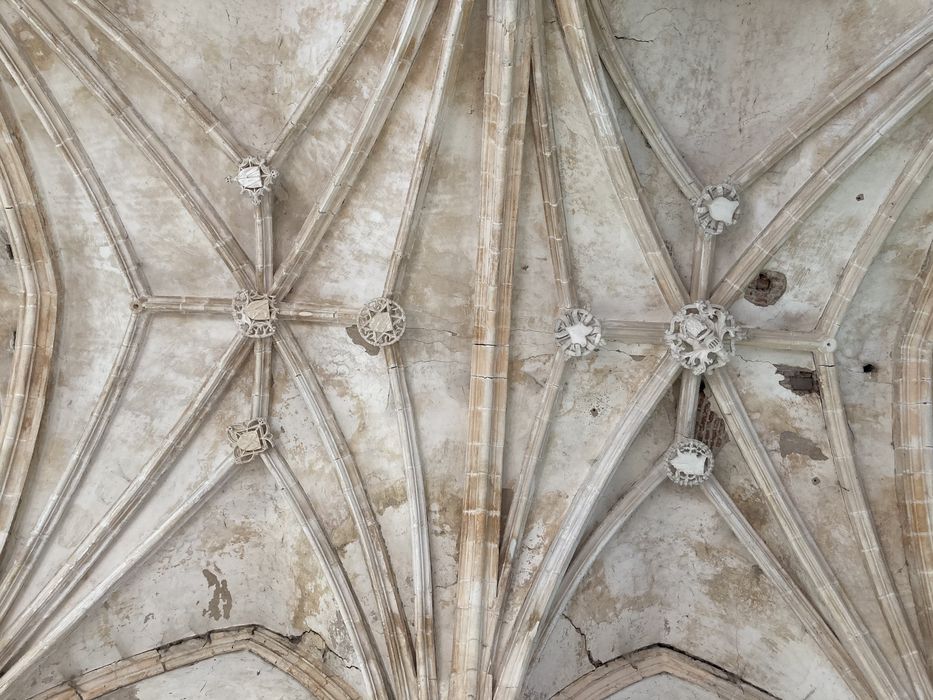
[
  {"x": 710, "y": 427},
  {"x": 799, "y": 380},
  {"x": 767, "y": 288}
]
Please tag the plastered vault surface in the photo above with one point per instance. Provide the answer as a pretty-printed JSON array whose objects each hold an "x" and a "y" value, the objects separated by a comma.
[{"x": 428, "y": 349}]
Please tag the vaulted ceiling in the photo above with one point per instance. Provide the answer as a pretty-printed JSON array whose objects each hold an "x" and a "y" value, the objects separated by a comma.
[{"x": 221, "y": 477}]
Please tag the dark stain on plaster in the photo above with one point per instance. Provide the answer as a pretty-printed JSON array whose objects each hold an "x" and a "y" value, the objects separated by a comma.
[
  {"x": 221, "y": 600},
  {"x": 792, "y": 443},
  {"x": 357, "y": 339},
  {"x": 799, "y": 380}
]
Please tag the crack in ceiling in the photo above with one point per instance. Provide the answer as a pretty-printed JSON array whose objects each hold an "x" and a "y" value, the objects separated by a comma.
[{"x": 519, "y": 567}]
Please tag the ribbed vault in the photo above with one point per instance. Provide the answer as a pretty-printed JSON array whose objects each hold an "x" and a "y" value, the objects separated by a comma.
[{"x": 356, "y": 343}]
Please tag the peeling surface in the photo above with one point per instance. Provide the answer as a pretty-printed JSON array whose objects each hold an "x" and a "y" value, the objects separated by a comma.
[
  {"x": 792, "y": 443},
  {"x": 723, "y": 79}
]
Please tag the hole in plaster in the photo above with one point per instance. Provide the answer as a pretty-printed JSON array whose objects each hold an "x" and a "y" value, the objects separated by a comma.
[
  {"x": 815, "y": 480},
  {"x": 799, "y": 380},
  {"x": 767, "y": 288},
  {"x": 594, "y": 412},
  {"x": 868, "y": 369},
  {"x": 859, "y": 197},
  {"x": 9, "y": 251},
  {"x": 524, "y": 267}
]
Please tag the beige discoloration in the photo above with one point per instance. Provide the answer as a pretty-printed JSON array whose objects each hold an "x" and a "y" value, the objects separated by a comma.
[
  {"x": 792, "y": 443},
  {"x": 468, "y": 512}
]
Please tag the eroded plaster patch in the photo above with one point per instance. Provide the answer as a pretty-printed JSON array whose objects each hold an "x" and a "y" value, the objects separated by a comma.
[
  {"x": 221, "y": 602},
  {"x": 792, "y": 443}
]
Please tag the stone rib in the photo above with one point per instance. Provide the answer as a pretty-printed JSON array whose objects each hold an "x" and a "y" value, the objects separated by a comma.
[
  {"x": 607, "y": 680},
  {"x": 868, "y": 246},
  {"x": 169, "y": 527},
  {"x": 185, "y": 305},
  {"x": 504, "y": 114},
  {"x": 913, "y": 446},
  {"x": 54, "y": 593},
  {"x": 120, "y": 34},
  {"x": 372, "y": 544},
  {"x": 523, "y": 496},
  {"x": 863, "y": 526},
  {"x": 864, "y": 137},
  {"x": 703, "y": 249},
  {"x": 546, "y": 582},
  {"x": 652, "y": 333},
  {"x": 355, "y": 621},
  {"x": 422, "y": 580},
  {"x": 48, "y": 26},
  {"x": 624, "y": 80},
  {"x": 281, "y": 652},
  {"x": 59, "y": 129},
  {"x": 542, "y": 121},
  {"x": 264, "y": 243},
  {"x": 431, "y": 133},
  {"x": 591, "y": 83},
  {"x": 31, "y": 363},
  {"x": 687, "y": 402},
  {"x": 346, "y": 48},
  {"x": 300, "y": 311},
  {"x": 394, "y": 72},
  {"x": 841, "y": 96},
  {"x": 596, "y": 542},
  {"x": 310, "y": 312},
  {"x": 843, "y": 617},
  {"x": 808, "y": 615},
  {"x": 262, "y": 376},
  {"x": 20, "y": 568},
  {"x": 635, "y": 332}
]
